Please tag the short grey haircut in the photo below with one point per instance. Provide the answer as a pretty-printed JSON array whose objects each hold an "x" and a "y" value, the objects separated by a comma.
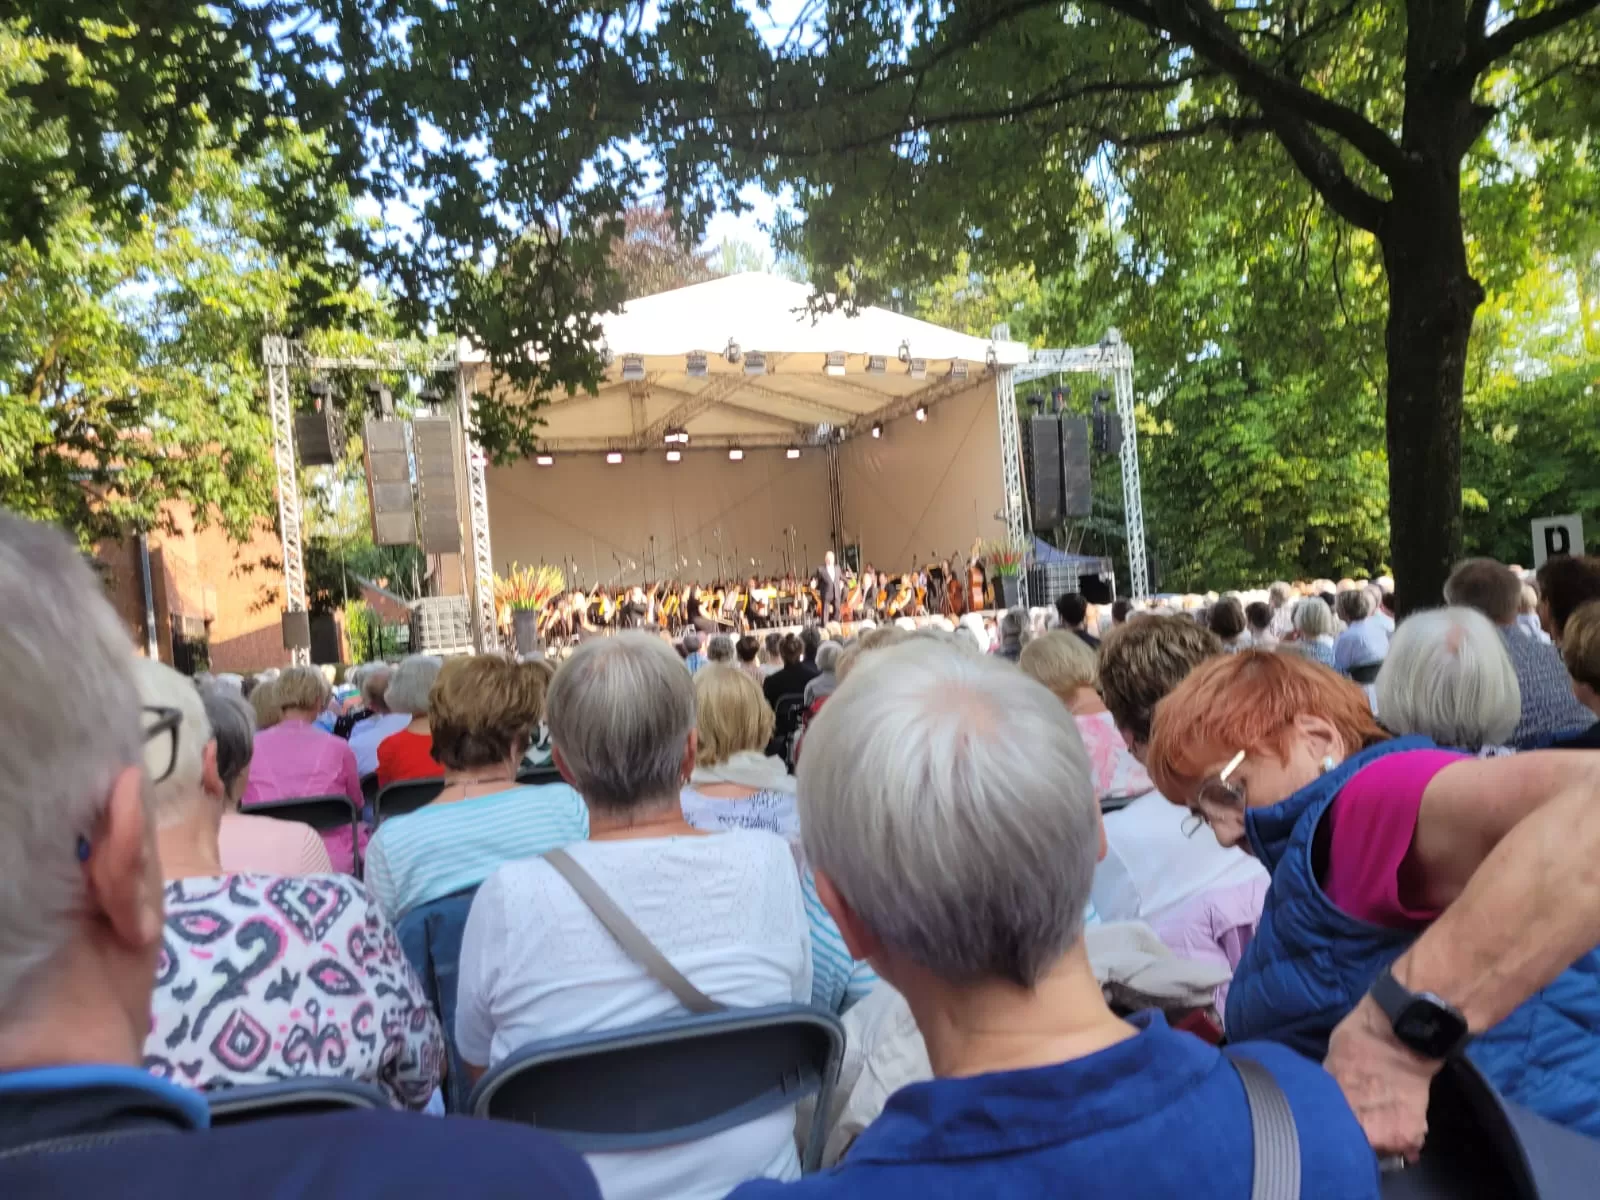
[
  {"x": 1312, "y": 618},
  {"x": 1448, "y": 677},
  {"x": 1278, "y": 593},
  {"x": 828, "y": 656},
  {"x": 410, "y": 684},
  {"x": 1354, "y": 604},
  {"x": 374, "y": 685},
  {"x": 70, "y": 711},
  {"x": 949, "y": 799},
  {"x": 691, "y": 640},
  {"x": 620, "y": 711},
  {"x": 233, "y": 728},
  {"x": 173, "y": 799},
  {"x": 720, "y": 648}
]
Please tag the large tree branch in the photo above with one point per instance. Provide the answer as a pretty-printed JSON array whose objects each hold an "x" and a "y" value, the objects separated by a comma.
[
  {"x": 1197, "y": 25},
  {"x": 1321, "y": 165},
  {"x": 1487, "y": 50}
]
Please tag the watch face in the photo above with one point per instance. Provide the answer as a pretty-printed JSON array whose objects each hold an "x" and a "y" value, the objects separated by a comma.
[{"x": 1429, "y": 1027}]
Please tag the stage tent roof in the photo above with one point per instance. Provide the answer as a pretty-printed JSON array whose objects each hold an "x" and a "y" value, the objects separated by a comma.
[{"x": 816, "y": 376}]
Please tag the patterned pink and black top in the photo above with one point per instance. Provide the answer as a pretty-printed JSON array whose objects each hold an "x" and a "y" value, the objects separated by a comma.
[{"x": 268, "y": 977}]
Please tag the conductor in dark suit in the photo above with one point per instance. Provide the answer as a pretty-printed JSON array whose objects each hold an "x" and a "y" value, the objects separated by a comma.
[{"x": 829, "y": 582}]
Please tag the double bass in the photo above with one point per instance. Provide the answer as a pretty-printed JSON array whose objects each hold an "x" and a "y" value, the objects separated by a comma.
[{"x": 977, "y": 579}]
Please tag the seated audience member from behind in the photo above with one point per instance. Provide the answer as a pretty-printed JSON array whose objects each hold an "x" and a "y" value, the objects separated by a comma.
[
  {"x": 81, "y": 935},
  {"x": 1227, "y": 621},
  {"x": 295, "y": 760},
  {"x": 1311, "y": 632},
  {"x": 748, "y": 648},
  {"x": 217, "y": 1018},
  {"x": 1258, "y": 616},
  {"x": 251, "y": 844},
  {"x": 822, "y": 684},
  {"x": 724, "y": 909},
  {"x": 408, "y": 752},
  {"x": 1073, "y": 610},
  {"x": 366, "y": 735},
  {"x": 1064, "y": 664},
  {"x": 1448, "y": 677},
  {"x": 1368, "y": 840},
  {"x": 792, "y": 677},
  {"x": 1549, "y": 708},
  {"x": 1580, "y": 649},
  {"x": 1364, "y": 641},
  {"x": 1565, "y": 582},
  {"x": 483, "y": 711},
  {"x": 947, "y": 805},
  {"x": 719, "y": 649},
  {"x": 735, "y": 784},
  {"x": 1203, "y": 899}
]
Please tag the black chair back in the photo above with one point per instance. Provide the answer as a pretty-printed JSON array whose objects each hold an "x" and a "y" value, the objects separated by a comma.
[
  {"x": 404, "y": 797},
  {"x": 672, "y": 1081},
  {"x": 325, "y": 814},
  {"x": 532, "y": 776},
  {"x": 292, "y": 1098},
  {"x": 1366, "y": 672}
]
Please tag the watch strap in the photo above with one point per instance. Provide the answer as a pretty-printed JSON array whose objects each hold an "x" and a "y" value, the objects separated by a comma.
[
  {"x": 1394, "y": 998},
  {"x": 1390, "y": 994}
]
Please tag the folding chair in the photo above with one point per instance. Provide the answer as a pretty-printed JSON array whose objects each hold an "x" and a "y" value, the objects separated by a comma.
[
  {"x": 404, "y": 797},
  {"x": 673, "y": 1081},
  {"x": 323, "y": 813},
  {"x": 292, "y": 1098}
]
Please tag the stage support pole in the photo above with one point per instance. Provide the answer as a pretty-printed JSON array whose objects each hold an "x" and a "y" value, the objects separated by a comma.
[
  {"x": 835, "y": 501},
  {"x": 485, "y": 631},
  {"x": 1016, "y": 513},
  {"x": 275, "y": 357},
  {"x": 1132, "y": 494}
]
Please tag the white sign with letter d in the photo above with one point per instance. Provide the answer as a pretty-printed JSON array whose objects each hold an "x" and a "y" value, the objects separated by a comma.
[{"x": 1557, "y": 535}]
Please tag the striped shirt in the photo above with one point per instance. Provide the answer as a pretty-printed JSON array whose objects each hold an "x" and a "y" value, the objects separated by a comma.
[{"x": 444, "y": 848}]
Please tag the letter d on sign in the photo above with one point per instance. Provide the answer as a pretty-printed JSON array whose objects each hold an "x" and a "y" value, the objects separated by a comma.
[{"x": 1553, "y": 536}]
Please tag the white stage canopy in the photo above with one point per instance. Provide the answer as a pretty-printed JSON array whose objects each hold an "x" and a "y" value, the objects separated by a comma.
[{"x": 740, "y": 361}]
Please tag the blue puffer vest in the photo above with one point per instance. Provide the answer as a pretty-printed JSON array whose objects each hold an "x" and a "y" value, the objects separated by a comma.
[{"x": 1310, "y": 964}]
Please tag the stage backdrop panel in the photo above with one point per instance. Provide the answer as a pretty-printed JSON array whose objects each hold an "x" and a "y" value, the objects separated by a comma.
[
  {"x": 587, "y": 511},
  {"x": 925, "y": 489}
]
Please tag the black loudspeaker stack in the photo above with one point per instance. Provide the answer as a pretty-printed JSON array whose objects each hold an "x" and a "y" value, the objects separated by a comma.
[
  {"x": 1077, "y": 494},
  {"x": 394, "y": 519},
  {"x": 435, "y": 444},
  {"x": 319, "y": 437},
  {"x": 297, "y": 631},
  {"x": 1041, "y": 461}
]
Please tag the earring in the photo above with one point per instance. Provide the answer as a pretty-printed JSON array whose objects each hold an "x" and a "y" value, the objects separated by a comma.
[{"x": 1327, "y": 763}]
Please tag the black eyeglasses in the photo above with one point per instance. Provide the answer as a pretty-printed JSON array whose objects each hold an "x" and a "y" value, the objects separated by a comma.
[{"x": 161, "y": 741}]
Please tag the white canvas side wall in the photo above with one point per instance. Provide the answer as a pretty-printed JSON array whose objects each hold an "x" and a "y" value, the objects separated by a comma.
[
  {"x": 925, "y": 489},
  {"x": 585, "y": 510}
]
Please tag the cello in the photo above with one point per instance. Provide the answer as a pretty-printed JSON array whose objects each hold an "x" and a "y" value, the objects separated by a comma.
[{"x": 977, "y": 579}]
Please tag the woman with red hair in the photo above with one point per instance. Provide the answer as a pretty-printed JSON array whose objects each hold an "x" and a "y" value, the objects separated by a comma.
[{"x": 1368, "y": 839}]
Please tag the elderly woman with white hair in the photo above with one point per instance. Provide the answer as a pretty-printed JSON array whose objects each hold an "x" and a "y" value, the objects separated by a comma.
[
  {"x": 1312, "y": 634},
  {"x": 265, "y": 976},
  {"x": 725, "y": 909},
  {"x": 1448, "y": 677},
  {"x": 248, "y": 843},
  {"x": 295, "y": 760},
  {"x": 827, "y": 678},
  {"x": 378, "y": 722},
  {"x": 948, "y": 809},
  {"x": 407, "y": 753}
]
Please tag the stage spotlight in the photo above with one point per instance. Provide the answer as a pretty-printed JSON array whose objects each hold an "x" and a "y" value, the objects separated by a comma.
[
  {"x": 613, "y": 458},
  {"x": 958, "y": 370},
  {"x": 755, "y": 363},
  {"x": 732, "y": 353},
  {"x": 632, "y": 367},
  {"x": 905, "y": 352},
  {"x": 792, "y": 452},
  {"x": 917, "y": 368},
  {"x": 877, "y": 364},
  {"x": 696, "y": 365},
  {"x": 877, "y": 429},
  {"x": 674, "y": 455},
  {"x": 922, "y": 413},
  {"x": 835, "y": 362},
  {"x": 545, "y": 460},
  {"x": 736, "y": 454}
]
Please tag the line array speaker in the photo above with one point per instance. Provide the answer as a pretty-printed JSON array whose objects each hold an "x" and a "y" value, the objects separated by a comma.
[
  {"x": 434, "y": 440},
  {"x": 1041, "y": 459},
  {"x": 394, "y": 517},
  {"x": 319, "y": 437},
  {"x": 297, "y": 630},
  {"x": 1077, "y": 494}
]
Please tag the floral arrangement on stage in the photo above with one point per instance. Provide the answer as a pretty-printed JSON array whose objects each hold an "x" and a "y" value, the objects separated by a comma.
[
  {"x": 1003, "y": 558},
  {"x": 526, "y": 588}
]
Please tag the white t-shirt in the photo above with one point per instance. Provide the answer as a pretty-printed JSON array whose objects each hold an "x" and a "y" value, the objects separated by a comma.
[
  {"x": 725, "y": 909},
  {"x": 1151, "y": 866}
]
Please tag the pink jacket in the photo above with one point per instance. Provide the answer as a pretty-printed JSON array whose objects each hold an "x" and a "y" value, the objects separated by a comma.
[{"x": 294, "y": 760}]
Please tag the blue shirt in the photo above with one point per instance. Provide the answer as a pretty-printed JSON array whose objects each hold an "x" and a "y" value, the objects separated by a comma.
[
  {"x": 1549, "y": 709},
  {"x": 443, "y": 848},
  {"x": 1158, "y": 1116},
  {"x": 1363, "y": 643}
]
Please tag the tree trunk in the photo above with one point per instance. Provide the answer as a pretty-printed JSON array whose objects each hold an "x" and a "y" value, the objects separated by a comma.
[{"x": 1432, "y": 299}]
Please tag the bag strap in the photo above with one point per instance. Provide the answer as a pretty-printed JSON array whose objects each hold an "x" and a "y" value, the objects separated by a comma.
[
  {"x": 1272, "y": 1128},
  {"x": 629, "y": 936}
]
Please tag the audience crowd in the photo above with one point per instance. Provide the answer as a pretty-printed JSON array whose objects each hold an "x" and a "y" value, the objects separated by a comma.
[{"x": 1039, "y": 868}]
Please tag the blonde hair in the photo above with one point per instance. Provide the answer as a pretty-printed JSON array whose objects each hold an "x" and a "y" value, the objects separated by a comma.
[
  {"x": 1580, "y": 644},
  {"x": 482, "y": 710},
  {"x": 730, "y": 713},
  {"x": 264, "y": 703},
  {"x": 302, "y": 688},
  {"x": 1060, "y": 660}
]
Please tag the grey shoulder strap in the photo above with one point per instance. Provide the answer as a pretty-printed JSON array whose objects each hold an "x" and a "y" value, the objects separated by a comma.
[
  {"x": 1272, "y": 1128},
  {"x": 629, "y": 936}
]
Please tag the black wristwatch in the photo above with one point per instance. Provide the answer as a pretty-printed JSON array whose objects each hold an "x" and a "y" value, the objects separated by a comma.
[{"x": 1422, "y": 1021}]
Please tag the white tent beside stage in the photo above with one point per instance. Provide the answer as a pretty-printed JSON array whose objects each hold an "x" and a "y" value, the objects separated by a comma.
[{"x": 742, "y": 367}]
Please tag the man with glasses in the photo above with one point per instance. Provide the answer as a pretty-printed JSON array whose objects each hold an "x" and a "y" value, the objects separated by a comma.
[{"x": 81, "y": 932}]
